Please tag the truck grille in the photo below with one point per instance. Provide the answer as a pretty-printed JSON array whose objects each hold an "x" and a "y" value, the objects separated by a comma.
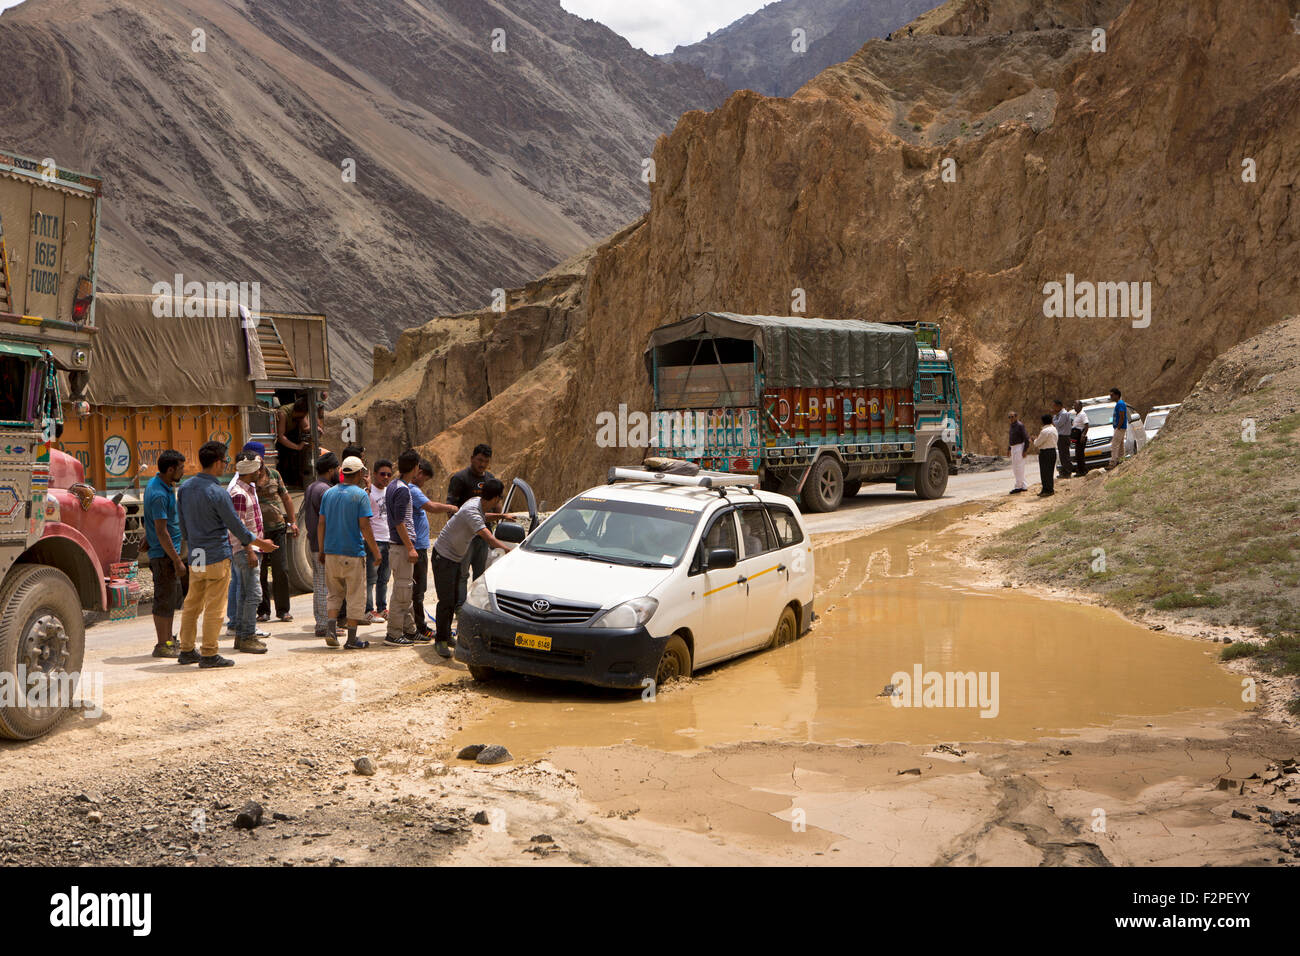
[{"x": 521, "y": 606}]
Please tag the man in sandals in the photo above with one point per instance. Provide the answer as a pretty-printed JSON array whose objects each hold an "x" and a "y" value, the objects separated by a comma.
[{"x": 344, "y": 537}]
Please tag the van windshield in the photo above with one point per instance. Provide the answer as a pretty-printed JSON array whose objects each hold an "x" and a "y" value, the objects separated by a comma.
[
  {"x": 1099, "y": 414},
  {"x": 620, "y": 532}
]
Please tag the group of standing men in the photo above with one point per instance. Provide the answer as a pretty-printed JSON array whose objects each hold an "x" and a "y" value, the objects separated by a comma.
[
  {"x": 1062, "y": 430},
  {"x": 366, "y": 530},
  {"x": 207, "y": 543}
]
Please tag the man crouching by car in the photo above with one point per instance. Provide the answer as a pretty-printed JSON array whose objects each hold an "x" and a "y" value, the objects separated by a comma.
[{"x": 449, "y": 552}]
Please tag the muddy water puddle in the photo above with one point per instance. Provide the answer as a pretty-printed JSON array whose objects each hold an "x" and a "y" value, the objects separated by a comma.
[{"x": 966, "y": 664}]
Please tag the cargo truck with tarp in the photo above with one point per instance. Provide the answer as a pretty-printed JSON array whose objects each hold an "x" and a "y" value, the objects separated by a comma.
[
  {"x": 814, "y": 407},
  {"x": 178, "y": 377},
  {"x": 60, "y": 542}
]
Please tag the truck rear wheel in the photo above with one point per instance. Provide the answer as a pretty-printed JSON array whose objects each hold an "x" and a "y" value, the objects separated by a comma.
[
  {"x": 824, "y": 489},
  {"x": 298, "y": 558},
  {"x": 932, "y": 475},
  {"x": 41, "y": 632}
]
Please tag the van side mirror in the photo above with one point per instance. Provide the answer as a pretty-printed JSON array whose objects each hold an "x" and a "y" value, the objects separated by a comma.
[
  {"x": 720, "y": 559},
  {"x": 510, "y": 532}
]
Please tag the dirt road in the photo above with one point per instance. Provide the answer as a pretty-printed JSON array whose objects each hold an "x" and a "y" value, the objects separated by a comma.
[{"x": 1109, "y": 745}]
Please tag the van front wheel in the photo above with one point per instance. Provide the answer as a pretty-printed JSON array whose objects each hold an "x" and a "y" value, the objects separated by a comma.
[{"x": 674, "y": 662}]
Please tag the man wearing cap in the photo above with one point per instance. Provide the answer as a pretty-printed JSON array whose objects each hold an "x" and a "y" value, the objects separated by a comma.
[
  {"x": 345, "y": 538},
  {"x": 245, "y": 564},
  {"x": 208, "y": 520}
]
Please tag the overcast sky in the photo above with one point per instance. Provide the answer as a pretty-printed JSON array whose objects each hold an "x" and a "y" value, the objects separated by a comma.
[
  {"x": 659, "y": 25},
  {"x": 654, "y": 25}
]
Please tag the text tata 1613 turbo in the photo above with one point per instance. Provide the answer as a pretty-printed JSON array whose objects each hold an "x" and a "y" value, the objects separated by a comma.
[{"x": 59, "y": 541}]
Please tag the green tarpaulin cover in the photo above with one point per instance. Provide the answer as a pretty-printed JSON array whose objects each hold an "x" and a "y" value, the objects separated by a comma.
[{"x": 808, "y": 353}]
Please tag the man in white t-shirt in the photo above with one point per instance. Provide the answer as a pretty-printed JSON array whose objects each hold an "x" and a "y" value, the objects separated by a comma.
[{"x": 377, "y": 571}]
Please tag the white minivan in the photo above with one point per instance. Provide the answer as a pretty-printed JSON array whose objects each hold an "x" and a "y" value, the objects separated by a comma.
[{"x": 649, "y": 576}]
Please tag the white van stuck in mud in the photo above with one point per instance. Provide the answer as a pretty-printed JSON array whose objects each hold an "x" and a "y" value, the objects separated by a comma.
[{"x": 650, "y": 576}]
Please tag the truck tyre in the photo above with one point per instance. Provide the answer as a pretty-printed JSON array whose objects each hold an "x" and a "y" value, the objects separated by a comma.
[
  {"x": 41, "y": 630},
  {"x": 824, "y": 489},
  {"x": 932, "y": 476},
  {"x": 298, "y": 558},
  {"x": 851, "y": 488},
  {"x": 481, "y": 674}
]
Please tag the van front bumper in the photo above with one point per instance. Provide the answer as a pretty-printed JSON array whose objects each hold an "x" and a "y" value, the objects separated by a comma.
[{"x": 605, "y": 657}]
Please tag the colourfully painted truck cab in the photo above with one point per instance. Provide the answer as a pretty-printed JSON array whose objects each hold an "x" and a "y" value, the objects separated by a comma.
[{"x": 814, "y": 407}]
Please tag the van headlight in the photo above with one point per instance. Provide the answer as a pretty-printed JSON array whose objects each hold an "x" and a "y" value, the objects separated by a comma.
[
  {"x": 478, "y": 596},
  {"x": 629, "y": 614}
]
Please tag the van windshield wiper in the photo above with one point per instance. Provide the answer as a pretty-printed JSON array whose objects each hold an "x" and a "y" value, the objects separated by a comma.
[{"x": 568, "y": 553}]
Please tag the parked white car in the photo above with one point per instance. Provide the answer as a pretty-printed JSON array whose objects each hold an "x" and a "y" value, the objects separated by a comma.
[
  {"x": 1096, "y": 453},
  {"x": 651, "y": 576},
  {"x": 1155, "y": 419}
]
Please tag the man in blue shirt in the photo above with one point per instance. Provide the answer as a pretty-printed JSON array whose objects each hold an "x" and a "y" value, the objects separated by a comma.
[
  {"x": 162, "y": 536},
  {"x": 1119, "y": 424},
  {"x": 208, "y": 519},
  {"x": 422, "y": 507},
  {"x": 344, "y": 537}
]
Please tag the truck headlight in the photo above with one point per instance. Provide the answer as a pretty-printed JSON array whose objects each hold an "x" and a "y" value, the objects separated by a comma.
[
  {"x": 629, "y": 614},
  {"x": 478, "y": 596}
]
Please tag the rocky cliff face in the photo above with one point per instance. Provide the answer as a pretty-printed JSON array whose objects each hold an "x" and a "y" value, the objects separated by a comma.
[
  {"x": 475, "y": 168},
  {"x": 757, "y": 53},
  {"x": 1117, "y": 166}
]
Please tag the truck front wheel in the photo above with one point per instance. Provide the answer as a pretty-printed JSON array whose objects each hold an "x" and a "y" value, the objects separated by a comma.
[
  {"x": 932, "y": 475},
  {"x": 42, "y": 643},
  {"x": 824, "y": 489}
]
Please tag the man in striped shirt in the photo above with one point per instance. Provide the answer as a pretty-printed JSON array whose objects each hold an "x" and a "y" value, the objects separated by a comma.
[{"x": 244, "y": 560}]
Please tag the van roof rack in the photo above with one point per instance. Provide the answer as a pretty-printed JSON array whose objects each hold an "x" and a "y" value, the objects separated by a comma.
[{"x": 708, "y": 480}]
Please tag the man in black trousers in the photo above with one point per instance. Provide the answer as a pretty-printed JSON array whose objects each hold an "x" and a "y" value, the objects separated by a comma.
[
  {"x": 1062, "y": 421},
  {"x": 1045, "y": 445}
]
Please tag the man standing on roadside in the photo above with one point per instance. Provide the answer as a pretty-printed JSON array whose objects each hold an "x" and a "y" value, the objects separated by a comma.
[
  {"x": 467, "y": 525},
  {"x": 423, "y": 507},
  {"x": 1079, "y": 435},
  {"x": 245, "y": 564},
  {"x": 162, "y": 535},
  {"x": 281, "y": 524},
  {"x": 1018, "y": 441},
  {"x": 208, "y": 519},
  {"x": 1062, "y": 421},
  {"x": 1045, "y": 443},
  {"x": 402, "y": 554},
  {"x": 1119, "y": 424},
  {"x": 464, "y": 485},
  {"x": 345, "y": 538},
  {"x": 377, "y": 569},
  {"x": 327, "y": 474}
]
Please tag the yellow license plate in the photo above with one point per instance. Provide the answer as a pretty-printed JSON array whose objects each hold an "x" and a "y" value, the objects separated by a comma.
[{"x": 534, "y": 642}]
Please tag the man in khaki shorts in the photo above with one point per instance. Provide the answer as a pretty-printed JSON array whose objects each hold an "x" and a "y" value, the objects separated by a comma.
[{"x": 344, "y": 536}]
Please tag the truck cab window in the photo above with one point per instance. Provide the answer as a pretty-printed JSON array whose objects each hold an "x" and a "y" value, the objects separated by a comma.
[{"x": 14, "y": 375}]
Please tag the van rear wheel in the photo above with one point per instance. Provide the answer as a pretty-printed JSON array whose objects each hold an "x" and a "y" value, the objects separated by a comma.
[{"x": 787, "y": 629}]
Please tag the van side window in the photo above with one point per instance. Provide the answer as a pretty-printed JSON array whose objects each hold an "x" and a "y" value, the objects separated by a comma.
[
  {"x": 721, "y": 534},
  {"x": 755, "y": 532},
  {"x": 788, "y": 531}
]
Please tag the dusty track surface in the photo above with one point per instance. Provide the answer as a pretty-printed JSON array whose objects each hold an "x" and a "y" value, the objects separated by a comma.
[{"x": 177, "y": 753}]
